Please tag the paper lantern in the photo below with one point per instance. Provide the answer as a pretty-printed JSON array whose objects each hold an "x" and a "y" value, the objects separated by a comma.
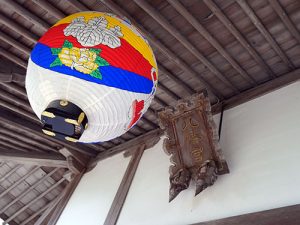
[{"x": 91, "y": 77}]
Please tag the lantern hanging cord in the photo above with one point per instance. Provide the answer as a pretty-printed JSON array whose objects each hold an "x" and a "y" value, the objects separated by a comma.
[{"x": 221, "y": 121}]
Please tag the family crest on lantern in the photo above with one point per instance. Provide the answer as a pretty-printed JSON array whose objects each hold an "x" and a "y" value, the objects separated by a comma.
[
  {"x": 83, "y": 60},
  {"x": 139, "y": 107},
  {"x": 94, "y": 32}
]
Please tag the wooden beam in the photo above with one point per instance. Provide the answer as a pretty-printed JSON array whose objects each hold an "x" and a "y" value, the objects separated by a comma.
[
  {"x": 64, "y": 201},
  {"x": 12, "y": 98},
  {"x": 263, "y": 89},
  {"x": 174, "y": 32},
  {"x": 25, "y": 139},
  {"x": 20, "y": 111},
  {"x": 51, "y": 206},
  {"x": 76, "y": 155},
  {"x": 12, "y": 77},
  {"x": 158, "y": 45},
  {"x": 17, "y": 28},
  {"x": 289, "y": 215},
  {"x": 4, "y": 145},
  {"x": 15, "y": 88},
  {"x": 33, "y": 201},
  {"x": 120, "y": 197},
  {"x": 50, "y": 8},
  {"x": 24, "y": 222},
  {"x": 202, "y": 30},
  {"x": 239, "y": 37},
  {"x": 32, "y": 171},
  {"x": 26, "y": 14},
  {"x": 30, "y": 158},
  {"x": 19, "y": 144},
  {"x": 10, "y": 172},
  {"x": 151, "y": 123},
  {"x": 78, "y": 5},
  {"x": 174, "y": 78},
  {"x": 168, "y": 91},
  {"x": 285, "y": 19},
  {"x": 149, "y": 139},
  {"x": 6, "y": 54},
  {"x": 16, "y": 44},
  {"x": 258, "y": 24},
  {"x": 161, "y": 102},
  {"x": 22, "y": 194}
]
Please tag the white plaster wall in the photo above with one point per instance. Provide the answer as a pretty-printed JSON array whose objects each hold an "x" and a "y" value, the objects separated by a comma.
[
  {"x": 93, "y": 196},
  {"x": 261, "y": 142}
]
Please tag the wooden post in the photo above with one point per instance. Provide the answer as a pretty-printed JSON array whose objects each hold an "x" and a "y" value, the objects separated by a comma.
[{"x": 120, "y": 197}]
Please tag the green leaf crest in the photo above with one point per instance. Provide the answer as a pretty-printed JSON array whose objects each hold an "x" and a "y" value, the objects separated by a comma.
[
  {"x": 56, "y": 62},
  {"x": 96, "y": 73},
  {"x": 67, "y": 44}
]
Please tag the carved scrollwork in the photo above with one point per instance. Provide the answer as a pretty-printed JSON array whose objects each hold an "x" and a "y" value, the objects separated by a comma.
[{"x": 192, "y": 142}]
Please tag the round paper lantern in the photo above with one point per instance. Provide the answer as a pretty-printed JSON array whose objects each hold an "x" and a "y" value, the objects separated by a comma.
[{"x": 91, "y": 77}]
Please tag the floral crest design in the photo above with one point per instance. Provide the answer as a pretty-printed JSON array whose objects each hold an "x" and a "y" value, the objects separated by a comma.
[
  {"x": 83, "y": 60},
  {"x": 94, "y": 32}
]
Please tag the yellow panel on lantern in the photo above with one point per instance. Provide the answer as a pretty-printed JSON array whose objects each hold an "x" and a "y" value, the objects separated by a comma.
[{"x": 137, "y": 42}]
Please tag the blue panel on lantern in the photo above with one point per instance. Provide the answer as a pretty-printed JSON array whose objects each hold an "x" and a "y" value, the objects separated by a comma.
[{"x": 111, "y": 76}]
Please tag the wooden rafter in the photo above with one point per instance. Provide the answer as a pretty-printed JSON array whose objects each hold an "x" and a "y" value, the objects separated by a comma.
[
  {"x": 27, "y": 14},
  {"x": 17, "y": 28},
  {"x": 37, "y": 213},
  {"x": 12, "y": 77},
  {"x": 7, "y": 145},
  {"x": 14, "y": 185},
  {"x": 149, "y": 139},
  {"x": 51, "y": 206},
  {"x": 289, "y": 215},
  {"x": 14, "y": 43},
  {"x": 15, "y": 88},
  {"x": 258, "y": 24},
  {"x": 39, "y": 159},
  {"x": 158, "y": 45},
  {"x": 285, "y": 19},
  {"x": 168, "y": 91},
  {"x": 239, "y": 37},
  {"x": 50, "y": 8},
  {"x": 55, "y": 214},
  {"x": 26, "y": 139},
  {"x": 174, "y": 32},
  {"x": 34, "y": 200},
  {"x": 12, "y": 58},
  {"x": 44, "y": 178},
  {"x": 10, "y": 172},
  {"x": 214, "y": 42},
  {"x": 17, "y": 143},
  {"x": 184, "y": 85},
  {"x": 20, "y": 111}
]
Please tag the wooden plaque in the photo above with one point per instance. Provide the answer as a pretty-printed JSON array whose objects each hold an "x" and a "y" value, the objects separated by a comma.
[{"x": 193, "y": 143}]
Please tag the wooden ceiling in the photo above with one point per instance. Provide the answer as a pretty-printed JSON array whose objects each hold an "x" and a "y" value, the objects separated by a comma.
[{"x": 235, "y": 49}]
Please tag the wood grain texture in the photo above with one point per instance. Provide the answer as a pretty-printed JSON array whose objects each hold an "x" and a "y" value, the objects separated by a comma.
[
  {"x": 289, "y": 215},
  {"x": 120, "y": 197},
  {"x": 39, "y": 159}
]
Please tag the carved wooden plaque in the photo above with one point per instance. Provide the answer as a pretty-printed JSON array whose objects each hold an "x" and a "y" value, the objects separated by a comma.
[{"x": 192, "y": 142}]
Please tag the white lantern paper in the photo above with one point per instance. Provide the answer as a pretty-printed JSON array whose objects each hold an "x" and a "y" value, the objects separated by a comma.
[{"x": 99, "y": 62}]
